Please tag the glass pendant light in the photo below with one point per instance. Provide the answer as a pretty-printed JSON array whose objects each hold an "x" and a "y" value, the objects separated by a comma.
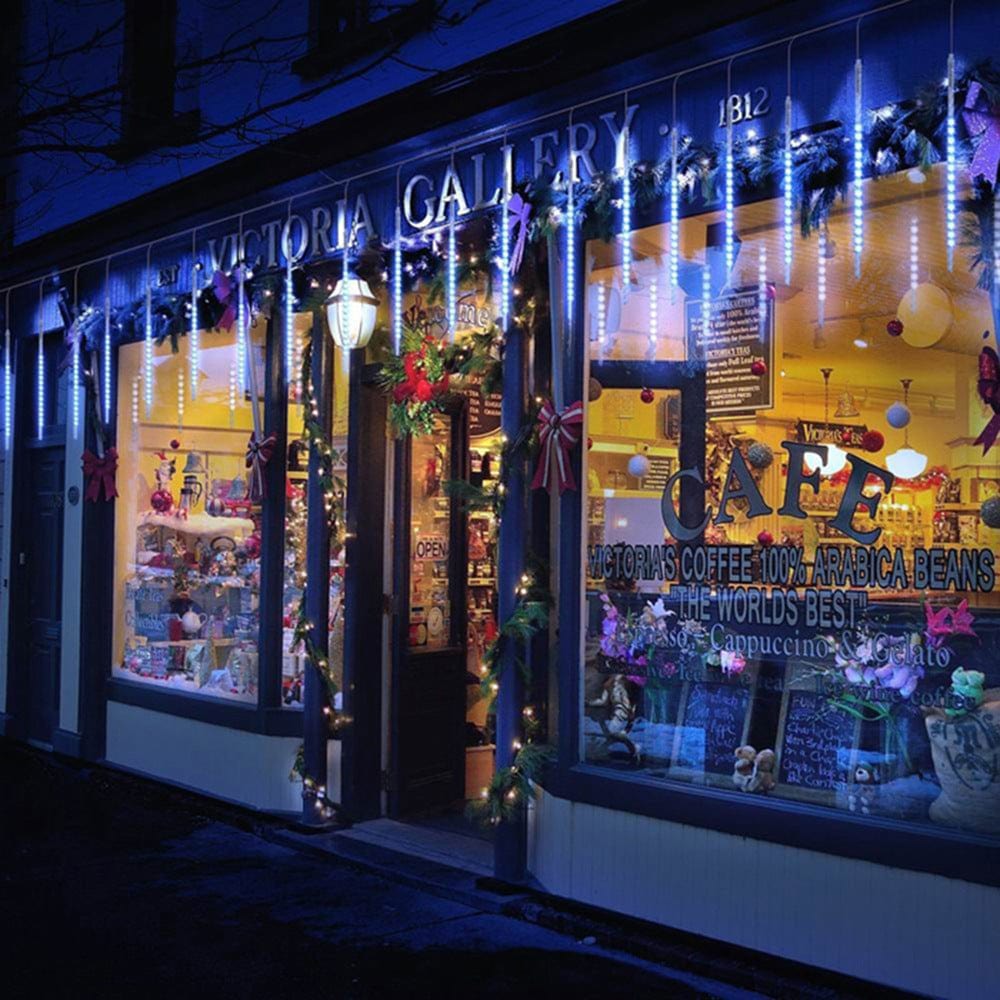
[
  {"x": 836, "y": 458},
  {"x": 907, "y": 462}
]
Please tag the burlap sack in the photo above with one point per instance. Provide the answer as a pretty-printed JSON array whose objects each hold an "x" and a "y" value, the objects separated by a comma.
[{"x": 966, "y": 753}]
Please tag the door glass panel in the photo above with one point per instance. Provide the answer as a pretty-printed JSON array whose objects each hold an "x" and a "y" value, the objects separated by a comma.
[{"x": 430, "y": 538}]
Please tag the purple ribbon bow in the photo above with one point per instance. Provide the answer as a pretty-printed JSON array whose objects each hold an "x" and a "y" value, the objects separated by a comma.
[
  {"x": 982, "y": 121},
  {"x": 519, "y": 214},
  {"x": 223, "y": 289}
]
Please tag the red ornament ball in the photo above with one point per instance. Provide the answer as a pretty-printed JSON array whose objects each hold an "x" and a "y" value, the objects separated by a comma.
[
  {"x": 765, "y": 538},
  {"x": 846, "y": 437},
  {"x": 894, "y": 327},
  {"x": 647, "y": 395},
  {"x": 590, "y": 443},
  {"x": 758, "y": 368},
  {"x": 873, "y": 441},
  {"x": 175, "y": 444}
]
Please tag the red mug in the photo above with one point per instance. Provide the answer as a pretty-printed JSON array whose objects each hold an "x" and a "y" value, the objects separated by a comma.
[{"x": 175, "y": 629}]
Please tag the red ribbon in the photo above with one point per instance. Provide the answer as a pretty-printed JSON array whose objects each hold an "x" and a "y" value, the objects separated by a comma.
[
  {"x": 258, "y": 455},
  {"x": 557, "y": 433},
  {"x": 100, "y": 474}
]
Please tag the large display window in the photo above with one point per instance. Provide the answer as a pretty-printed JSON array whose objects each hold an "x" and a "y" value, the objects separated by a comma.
[
  {"x": 807, "y": 609},
  {"x": 187, "y": 532}
]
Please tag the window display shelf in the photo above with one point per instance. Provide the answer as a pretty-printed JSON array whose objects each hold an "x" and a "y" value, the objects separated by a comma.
[{"x": 197, "y": 524}]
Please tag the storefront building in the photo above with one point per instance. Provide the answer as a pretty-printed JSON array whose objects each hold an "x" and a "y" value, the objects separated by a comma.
[{"x": 623, "y": 461}]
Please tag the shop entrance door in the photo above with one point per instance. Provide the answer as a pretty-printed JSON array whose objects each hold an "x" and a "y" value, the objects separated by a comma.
[{"x": 427, "y": 732}]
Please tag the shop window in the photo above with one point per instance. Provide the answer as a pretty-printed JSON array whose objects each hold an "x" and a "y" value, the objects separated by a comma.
[
  {"x": 793, "y": 644},
  {"x": 187, "y": 536}
]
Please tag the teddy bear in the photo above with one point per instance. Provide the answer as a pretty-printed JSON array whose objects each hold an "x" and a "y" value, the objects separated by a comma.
[
  {"x": 743, "y": 769},
  {"x": 763, "y": 779},
  {"x": 862, "y": 794}
]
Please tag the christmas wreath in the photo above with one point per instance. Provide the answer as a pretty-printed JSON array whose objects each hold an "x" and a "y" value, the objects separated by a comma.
[{"x": 418, "y": 380}]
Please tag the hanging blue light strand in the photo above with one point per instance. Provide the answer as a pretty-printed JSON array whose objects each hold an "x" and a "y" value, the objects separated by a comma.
[
  {"x": 762, "y": 287},
  {"x": 570, "y": 247},
  {"x": 452, "y": 273},
  {"x": 951, "y": 166},
  {"x": 241, "y": 317},
  {"x": 8, "y": 379},
  {"x": 730, "y": 244},
  {"x": 674, "y": 216},
  {"x": 626, "y": 168},
  {"x": 74, "y": 381},
  {"x": 194, "y": 348},
  {"x": 345, "y": 289},
  {"x": 788, "y": 193},
  {"x": 147, "y": 346},
  {"x": 106, "y": 352},
  {"x": 505, "y": 239},
  {"x": 40, "y": 367},
  {"x": 397, "y": 278},
  {"x": 857, "y": 188},
  {"x": 290, "y": 373}
]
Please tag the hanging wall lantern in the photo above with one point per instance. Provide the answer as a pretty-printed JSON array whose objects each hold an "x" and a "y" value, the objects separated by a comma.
[{"x": 350, "y": 311}]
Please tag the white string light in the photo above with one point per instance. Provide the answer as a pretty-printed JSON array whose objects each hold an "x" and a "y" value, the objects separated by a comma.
[
  {"x": 40, "y": 373},
  {"x": 653, "y": 318},
  {"x": 290, "y": 369},
  {"x": 106, "y": 354},
  {"x": 762, "y": 286},
  {"x": 821, "y": 275},
  {"x": 570, "y": 251},
  {"x": 147, "y": 347},
  {"x": 602, "y": 320},
  {"x": 452, "y": 304},
  {"x": 674, "y": 216},
  {"x": 914, "y": 261},
  {"x": 397, "y": 280},
  {"x": 706, "y": 284},
  {"x": 951, "y": 168},
  {"x": 788, "y": 195},
  {"x": 996, "y": 249},
  {"x": 135, "y": 402},
  {"x": 241, "y": 322},
  {"x": 74, "y": 380},
  {"x": 857, "y": 191},
  {"x": 508, "y": 184},
  {"x": 626, "y": 168},
  {"x": 730, "y": 213},
  {"x": 232, "y": 395},
  {"x": 180, "y": 398},
  {"x": 8, "y": 379},
  {"x": 194, "y": 347},
  {"x": 345, "y": 276}
]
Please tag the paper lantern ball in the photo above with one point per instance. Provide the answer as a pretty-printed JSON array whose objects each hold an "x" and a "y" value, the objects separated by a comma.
[
  {"x": 758, "y": 368},
  {"x": 873, "y": 440},
  {"x": 898, "y": 416},
  {"x": 759, "y": 455},
  {"x": 765, "y": 538},
  {"x": 894, "y": 327},
  {"x": 638, "y": 466},
  {"x": 926, "y": 314},
  {"x": 594, "y": 389},
  {"x": 647, "y": 395},
  {"x": 990, "y": 512}
]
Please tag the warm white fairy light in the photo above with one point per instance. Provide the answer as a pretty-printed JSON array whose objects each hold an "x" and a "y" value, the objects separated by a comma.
[
  {"x": 674, "y": 219},
  {"x": 148, "y": 344},
  {"x": 602, "y": 319},
  {"x": 232, "y": 394},
  {"x": 626, "y": 169},
  {"x": 180, "y": 398},
  {"x": 135, "y": 402},
  {"x": 106, "y": 353},
  {"x": 730, "y": 212},
  {"x": 452, "y": 303},
  {"x": 914, "y": 260},
  {"x": 857, "y": 193},
  {"x": 397, "y": 284},
  {"x": 821, "y": 275},
  {"x": 951, "y": 168},
  {"x": 241, "y": 330},
  {"x": 194, "y": 347},
  {"x": 40, "y": 373},
  {"x": 653, "y": 318},
  {"x": 788, "y": 193},
  {"x": 762, "y": 286}
]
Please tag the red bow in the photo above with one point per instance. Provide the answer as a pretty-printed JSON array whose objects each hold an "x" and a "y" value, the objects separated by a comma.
[
  {"x": 259, "y": 453},
  {"x": 100, "y": 474},
  {"x": 557, "y": 433}
]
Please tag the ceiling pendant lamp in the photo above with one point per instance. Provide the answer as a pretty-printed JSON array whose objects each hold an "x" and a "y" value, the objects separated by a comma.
[
  {"x": 836, "y": 458},
  {"x": 906, "y": 462}
]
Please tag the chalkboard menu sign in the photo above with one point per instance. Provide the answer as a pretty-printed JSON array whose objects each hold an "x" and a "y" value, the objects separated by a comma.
[
  {"x": 812, "y": 732},
  {"x": 730, "y": 335},
  {"x": 484, "y": 411},
  {"x": 714, "y": 724}
]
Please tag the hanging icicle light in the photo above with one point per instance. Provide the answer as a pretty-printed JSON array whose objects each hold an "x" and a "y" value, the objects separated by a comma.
[
  {"x": 951, "y": 168},
  {"x": 180, "y": 398},
  {"x": 674, "y": 217},
  {"x": 290, "y": 368},
  {"x": 602, "y": 319},
  {"x": 194, "y": 347},
  {"x": 730, "y": 237},
  {"x": 653, "y": 319},
  {"x": 821, "y": 274},
  {"x": 857, "y": 190},
  {"x": 135, "y": 402},
  {"x": 397, "y": 282},
  {"x": 147, "y": 345},
  {"x": 762, "y": 286},
  {"x": 8, "y": 378},
  {"x": 232, "y": 395},
  {"x": 452, "y": 303},
  {"x": 508, "y": 183},
  {"x": 241, "y": 326},
  {"x": 106, "y": 353},
  {"x": 996, "y": 249},
  {"x": 74, "y": 378},
  {"x": 571, "y": 250},
  {"x": 706, "y": 285},
  {"x": 788, "y": 194},
  {"x": 626, "y": 169},
  {"x": 914, "y": 261},
  {"x": 40, "y": 373}
]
